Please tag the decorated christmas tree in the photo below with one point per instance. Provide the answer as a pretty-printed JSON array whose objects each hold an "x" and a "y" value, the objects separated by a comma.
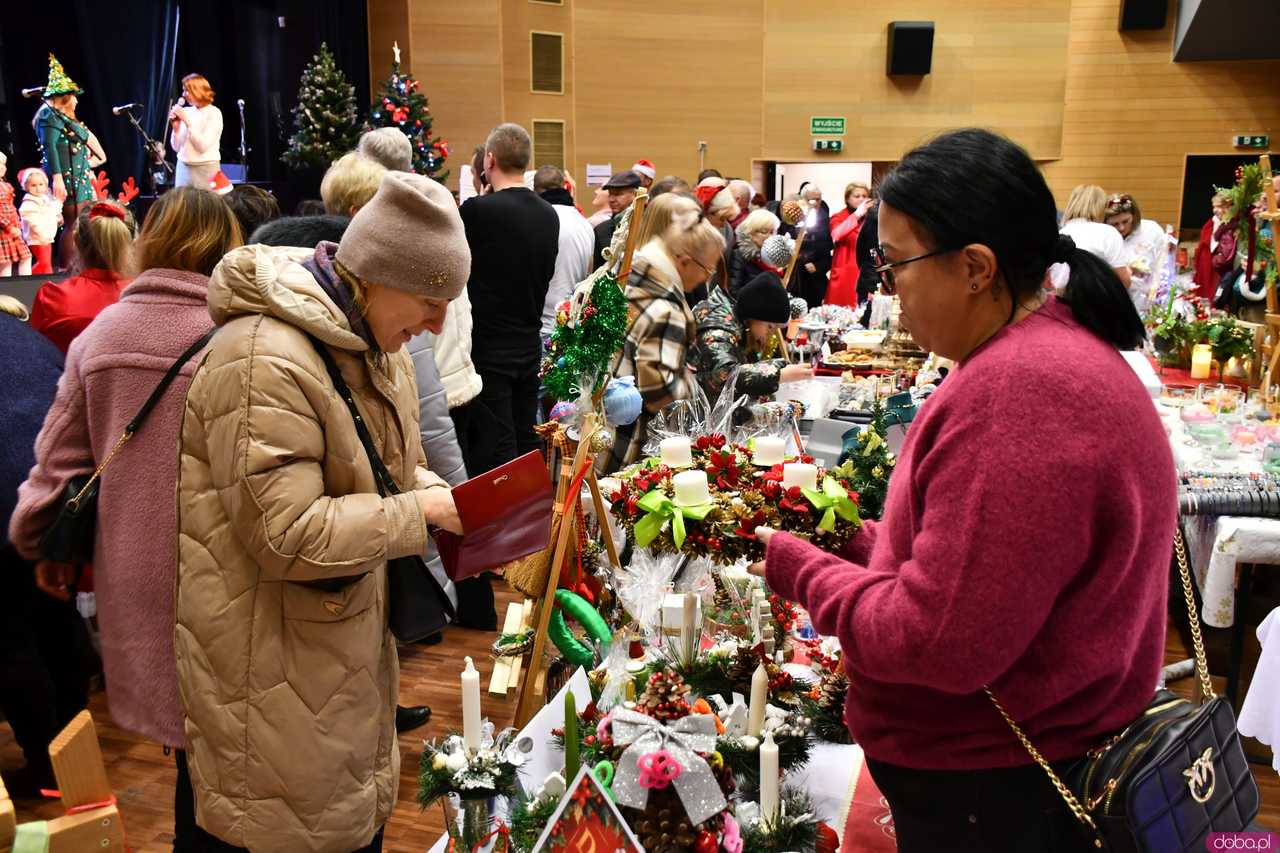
[
  {"x": 400, "y": 103},
  {"x": 325, "y": 117},
  {"x": 866, "y": 462}
]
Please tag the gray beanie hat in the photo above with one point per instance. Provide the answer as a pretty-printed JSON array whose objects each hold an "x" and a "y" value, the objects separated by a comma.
[
  {"x": 777, "y": 250},
  {"x": 410, "y": 237}
]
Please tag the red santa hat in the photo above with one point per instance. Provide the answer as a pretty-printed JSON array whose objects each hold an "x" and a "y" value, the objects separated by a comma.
[
  {"x": 220, "y": 183},
  {"x": 713, "y": 197},
  {"x": 644, "y": 167}
]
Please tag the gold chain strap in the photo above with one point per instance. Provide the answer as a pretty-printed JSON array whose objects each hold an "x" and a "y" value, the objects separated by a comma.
[
  {"x": 1197, "y": 640},
  {"x": 1071, "y": 800},
  {"x": 1202, "y": 671},
  {"x": 74, "y": 503}
]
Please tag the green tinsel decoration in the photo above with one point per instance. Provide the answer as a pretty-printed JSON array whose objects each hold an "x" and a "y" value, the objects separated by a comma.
[
  {"x": 788, "y": 832},
  {"x": 587, "y": 348}
]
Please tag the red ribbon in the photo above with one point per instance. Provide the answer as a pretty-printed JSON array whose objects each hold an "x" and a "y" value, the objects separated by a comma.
[{"x": 54, "y": 794}]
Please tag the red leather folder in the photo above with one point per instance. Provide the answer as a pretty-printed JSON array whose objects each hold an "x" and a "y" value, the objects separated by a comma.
[{"x": 505, "y": 513}]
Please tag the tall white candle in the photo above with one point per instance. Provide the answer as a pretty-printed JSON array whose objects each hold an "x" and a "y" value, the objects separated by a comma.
[
  {"x": 768, "y": 450},
  {"x": 759, "y": 698},
  {"x": 676, "y": 451},
  {"x": 768, "y": 779},
  {"x": 800, "y": 474},
  {"x": 691, "y": 488},
  {"x": 470, "y": 707}
]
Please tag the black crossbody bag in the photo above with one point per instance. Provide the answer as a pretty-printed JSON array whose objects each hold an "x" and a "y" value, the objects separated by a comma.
[
  {"x": 417, "y": 604},
  {"x": 70, "y": 538},
  {"x": 1173, "y": 776}
]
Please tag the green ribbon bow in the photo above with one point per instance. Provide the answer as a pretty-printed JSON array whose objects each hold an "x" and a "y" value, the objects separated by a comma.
[
  {"x": 659, "y": 508},
  {"x": 833, "y": 500}
]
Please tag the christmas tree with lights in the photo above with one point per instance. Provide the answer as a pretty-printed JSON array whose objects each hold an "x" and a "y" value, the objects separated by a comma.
[
  {"x": 325, "y": 117},
  {"x": 400, "y": 103}
]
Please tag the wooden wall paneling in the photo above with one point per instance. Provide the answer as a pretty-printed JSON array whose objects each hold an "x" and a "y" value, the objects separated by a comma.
[
  {"x": 521, "y": 18},
  {"x": 996, "y": 63},
  {"x": 388, "y": 25},
  {"x": 1132, "y": 114},
  {"x": 457, "y": 55},
  {"x": 656, "y": 78}
]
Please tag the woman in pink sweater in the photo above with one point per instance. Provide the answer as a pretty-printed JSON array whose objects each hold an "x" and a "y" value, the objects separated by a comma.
[
  {"x": 1027, "y": 533},
  {"x": 111, "y": 369}
]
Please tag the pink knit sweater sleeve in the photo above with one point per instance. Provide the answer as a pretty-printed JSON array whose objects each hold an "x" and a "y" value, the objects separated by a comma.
[
  {"x": 980, "y": 540},
  {"x": 63, "y": 450}
]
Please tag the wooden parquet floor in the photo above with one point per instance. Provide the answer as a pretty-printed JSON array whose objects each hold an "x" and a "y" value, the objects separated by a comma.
[{"x": 144, "y": 777}]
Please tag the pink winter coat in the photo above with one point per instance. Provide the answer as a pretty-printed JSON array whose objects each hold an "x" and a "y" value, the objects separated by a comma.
[{"x": 111, "y": 369}]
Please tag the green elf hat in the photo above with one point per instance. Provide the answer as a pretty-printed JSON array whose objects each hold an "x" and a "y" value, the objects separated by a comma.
[{"x": 59, "y": 83}]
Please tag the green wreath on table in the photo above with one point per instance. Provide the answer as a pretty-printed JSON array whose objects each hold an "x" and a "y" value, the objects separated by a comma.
[{"x": 574, "y": 650}]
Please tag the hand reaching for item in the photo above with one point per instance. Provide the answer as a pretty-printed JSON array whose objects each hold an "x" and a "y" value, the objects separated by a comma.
[
  {"x": 439, "y": 509},
  {"x": 763, "y": 535},
  {"x": 796, "y": 373}
]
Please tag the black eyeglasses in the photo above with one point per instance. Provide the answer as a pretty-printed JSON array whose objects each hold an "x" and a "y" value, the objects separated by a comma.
[{"x": 884, "y": 268}]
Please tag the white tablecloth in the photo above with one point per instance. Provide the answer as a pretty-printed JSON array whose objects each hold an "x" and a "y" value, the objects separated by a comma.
[{"x": 1215, "y": 544}]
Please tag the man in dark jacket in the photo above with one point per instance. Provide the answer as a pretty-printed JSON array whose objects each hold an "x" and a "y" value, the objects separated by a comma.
[
  {"x": 868, "y": 239},
  {"x": 622, "y": 191},
  {"x": 46, "y": 658}
]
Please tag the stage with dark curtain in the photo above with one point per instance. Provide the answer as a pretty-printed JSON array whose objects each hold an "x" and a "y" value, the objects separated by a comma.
[{"x": 139, "y": 50}]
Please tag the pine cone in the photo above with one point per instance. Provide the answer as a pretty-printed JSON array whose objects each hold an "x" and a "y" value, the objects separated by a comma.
[
  {"x": 723, "y": 601},
  {"x": 831, "y": 690},
  {"x": 663, "y": 827},
  {"x": 664, "y": 696}
]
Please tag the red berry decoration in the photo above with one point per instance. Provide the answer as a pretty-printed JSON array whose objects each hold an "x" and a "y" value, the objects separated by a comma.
[{"x": 706, "y": 843}]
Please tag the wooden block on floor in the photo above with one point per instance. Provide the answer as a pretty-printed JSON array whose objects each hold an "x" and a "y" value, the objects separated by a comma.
[{"x": 500, "y": 681}]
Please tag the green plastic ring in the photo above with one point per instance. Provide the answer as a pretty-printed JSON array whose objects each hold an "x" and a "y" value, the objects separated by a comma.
[{"x": 574, "y": 650}]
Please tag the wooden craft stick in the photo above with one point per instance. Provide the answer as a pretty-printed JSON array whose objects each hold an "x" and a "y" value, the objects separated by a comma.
[
  {"x": 100, "y": 830},
  {"x": 517, "y": 665},
  {"x": 532, "y": 692},
  {"x": 791, "y": 267},
  {"x": 502, "y": 665},
  {"x": 77, "y": 764},
  {"x": 633, "y": 232},
  {"x": 602, "y": 515}
]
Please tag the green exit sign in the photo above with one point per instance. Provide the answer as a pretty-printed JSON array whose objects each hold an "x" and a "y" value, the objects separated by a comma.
[
  {"x": 828, "y": 145},
  {"x": 1251, "y": 141},
  {"x": 826, "y": 126}
]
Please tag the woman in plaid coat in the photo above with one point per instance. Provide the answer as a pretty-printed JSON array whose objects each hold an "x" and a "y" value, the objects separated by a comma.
[{"x": 662, "y": 328}]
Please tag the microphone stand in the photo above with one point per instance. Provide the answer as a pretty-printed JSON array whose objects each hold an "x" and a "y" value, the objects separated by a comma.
[
  {"x": 244, "y": 147},
  {"x": 154, "y": 151}
]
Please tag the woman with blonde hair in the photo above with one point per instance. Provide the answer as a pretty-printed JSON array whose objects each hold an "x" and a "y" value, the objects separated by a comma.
[
  {"x": 104, "y": 234},
  {"x": 350, "y": 182},
  {"x": 674, "y": 262},
  {"x": 111, "y": 370},
  {"x": 846, "y": 225},
  {"x": 286, "y": 665},
  {"x": 1084, "y": 220},
  {"x": 745, "y": 262},
  {"x": 196, "y": 133}
]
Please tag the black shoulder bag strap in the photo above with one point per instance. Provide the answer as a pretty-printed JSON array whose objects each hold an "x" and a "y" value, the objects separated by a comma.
[
  {"x": 386, "y": 483},
  {"x": 170, "y": 375}
]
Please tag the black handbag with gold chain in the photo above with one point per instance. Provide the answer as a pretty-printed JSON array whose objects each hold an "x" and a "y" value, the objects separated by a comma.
[{"x": 1173, "y": 776}]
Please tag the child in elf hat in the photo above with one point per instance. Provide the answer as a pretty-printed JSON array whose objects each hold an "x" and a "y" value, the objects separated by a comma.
[
  {"x": 12, "y": 249},
  {"x": 41, "y": 215}
]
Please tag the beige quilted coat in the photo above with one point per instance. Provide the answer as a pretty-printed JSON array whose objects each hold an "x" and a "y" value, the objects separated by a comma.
[{"x": 289, "y": 690}]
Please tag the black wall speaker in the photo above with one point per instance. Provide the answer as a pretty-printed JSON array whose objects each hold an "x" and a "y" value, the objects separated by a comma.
[
  {"x": 1143, "y": 14},
  {"x": 910, "y": 47}
]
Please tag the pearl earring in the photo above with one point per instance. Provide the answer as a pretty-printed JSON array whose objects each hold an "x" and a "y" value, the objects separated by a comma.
[{"x": 973, "y": 285}]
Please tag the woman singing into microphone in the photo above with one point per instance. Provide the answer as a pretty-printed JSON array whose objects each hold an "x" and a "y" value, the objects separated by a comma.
[{"x": 196, "y": 130}]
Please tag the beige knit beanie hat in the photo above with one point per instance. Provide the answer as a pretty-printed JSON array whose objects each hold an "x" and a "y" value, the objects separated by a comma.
[{"x": 410, "y": 237}]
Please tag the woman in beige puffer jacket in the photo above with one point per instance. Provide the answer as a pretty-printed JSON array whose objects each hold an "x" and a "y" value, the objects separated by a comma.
[{"x": 287, "y": 671}]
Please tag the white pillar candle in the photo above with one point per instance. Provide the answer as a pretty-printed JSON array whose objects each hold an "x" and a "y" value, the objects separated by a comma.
[
  {"x": 677, "y": 452},
  {"x": 689, "y": 633},
  {"x": 768, "y": 450},
  {"x": 800, "y": 474},
  {"x": 768, "y": 779},
  {"x": 691, "y": 488},
  {"x": 759, "y": 698},
  {"x": 1201, "y": 361},
  {"x": 470, "y": 707}
]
